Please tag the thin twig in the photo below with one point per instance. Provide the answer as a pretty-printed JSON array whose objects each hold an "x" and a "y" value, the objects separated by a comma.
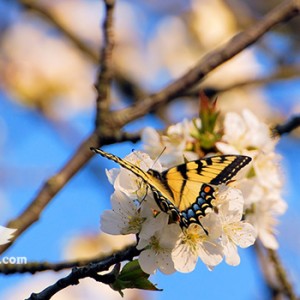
[
  {"x": 103, "y": 84},
  {"x": 282, "y": 74},
  {"x": 281, "y": 275},
  {"x": 84, "y": 272},
  {"x": 288, "y": 126},
  {"x": 282, "y": 13},
  {"x": 274, "y": 274},
  {"x": 266, "y": 270}
]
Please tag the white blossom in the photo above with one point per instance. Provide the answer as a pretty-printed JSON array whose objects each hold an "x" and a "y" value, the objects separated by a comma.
[
  {"x": 246, "y": 135},
  {"x": 158, "y": 246},
  {"x": 125, "y": 216},
  {"x": 172, "y": 148},
  {"x": 125, "y": 181},
  {"x": 244, "y": 209},
  {"x": 235, "y": 232},
  {"x": 195, "y": 243},
  {"x": 264, "y": 217}
]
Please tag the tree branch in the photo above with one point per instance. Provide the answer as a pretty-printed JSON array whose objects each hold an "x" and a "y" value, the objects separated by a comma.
[
  {"x": 282, "y": 74},
  {"x": 103, "y": 84},
  {"x": 84, "y": 272},
  {"x": 278, "y": 284},
  {"x": 282, "y": 13},
  {"x": 34, "y": 267},
  {"x": 288, "y": 126},
  {"x": 281, "y": 275},
  {"x": 51, "y": 187}
]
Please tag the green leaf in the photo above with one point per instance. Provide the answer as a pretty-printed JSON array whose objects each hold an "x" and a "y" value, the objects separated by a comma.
[{"x": 132, "y": 276}]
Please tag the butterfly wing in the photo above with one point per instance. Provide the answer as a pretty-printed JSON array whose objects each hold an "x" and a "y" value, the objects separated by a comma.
[
  {"x": 184, "y": 190},
  {"x": 185, "y": 181},
  {"x": 124, "y": 163},
  {"x": 152, "y": 177}
]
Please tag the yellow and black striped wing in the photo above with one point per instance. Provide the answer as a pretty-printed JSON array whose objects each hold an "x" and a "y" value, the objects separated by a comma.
[
  {"x": 184, "y": 191},
  {"x": 123, "y": 163},
  {"x": 185, "y": 181},
  {"x": 153, "y": 181}
]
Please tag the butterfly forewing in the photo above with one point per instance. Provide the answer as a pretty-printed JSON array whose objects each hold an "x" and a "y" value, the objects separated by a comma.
[
  {"x": 185, "y": 181},
  {"x": 147, "y": 177}
]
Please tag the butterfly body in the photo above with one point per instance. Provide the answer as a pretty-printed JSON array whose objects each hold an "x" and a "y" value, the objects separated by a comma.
[{"x": 184, "y": 191}]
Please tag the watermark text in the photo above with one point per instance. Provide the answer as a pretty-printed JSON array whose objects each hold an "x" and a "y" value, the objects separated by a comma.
[{"x": 14, "y": 260}]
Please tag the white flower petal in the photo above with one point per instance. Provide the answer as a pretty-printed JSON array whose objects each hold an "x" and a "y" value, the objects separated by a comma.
[
  {"x": 185, "y": 260},
  {"x": 231, "y": 253},
  {"x": 112, "y": 174},
  {"x": 169, "y": 236},
  {"x": 211, "y": 253},
  {"x": 230, "y": 199},
  {"x": 153, "y": 225},
  {"x": 124, "y": 218},
  {"x": 165, "y": 263},
  {"x": 147, "y": 261},
  {"x": 111, "y": 225},
  {"x": 226, "y": 148},
  {"x": 6, "y": 234},
  {"x": 158, "y": 247},
  {"x": 268, "y": 239},
  {"x": 242, "y": 234}
]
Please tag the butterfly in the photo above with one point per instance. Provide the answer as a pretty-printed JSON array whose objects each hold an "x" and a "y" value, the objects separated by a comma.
[{"x": 185, "y": 191}]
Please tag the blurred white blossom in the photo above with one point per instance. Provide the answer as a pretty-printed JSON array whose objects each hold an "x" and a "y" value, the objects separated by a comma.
[
  {"x": 36, "y": 74},
  {"x": 245, "y": 134}
]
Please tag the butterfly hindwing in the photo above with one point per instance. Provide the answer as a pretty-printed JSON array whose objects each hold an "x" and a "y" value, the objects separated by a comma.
[{"x": 194, "y": 212}]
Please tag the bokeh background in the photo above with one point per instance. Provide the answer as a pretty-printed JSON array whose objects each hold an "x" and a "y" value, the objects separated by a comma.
[{"x": 48, "y": 65}]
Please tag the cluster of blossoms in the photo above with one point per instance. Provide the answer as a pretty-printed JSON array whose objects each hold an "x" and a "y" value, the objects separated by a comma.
[{"x": 242, "y": 211}]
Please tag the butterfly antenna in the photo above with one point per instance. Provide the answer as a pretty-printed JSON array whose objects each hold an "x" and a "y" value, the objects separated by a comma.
[
  {"x": 157, "y": 158},
  {"x": 160, "y": 154}
]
